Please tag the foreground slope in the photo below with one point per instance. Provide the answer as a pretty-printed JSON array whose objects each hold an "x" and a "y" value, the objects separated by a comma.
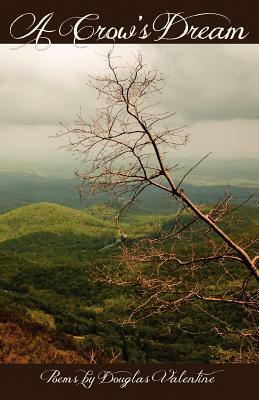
[{"x": 47, "y": 253}]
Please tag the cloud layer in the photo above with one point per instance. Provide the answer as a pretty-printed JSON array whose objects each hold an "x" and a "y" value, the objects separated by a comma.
[{"x": 214, "y": 88}]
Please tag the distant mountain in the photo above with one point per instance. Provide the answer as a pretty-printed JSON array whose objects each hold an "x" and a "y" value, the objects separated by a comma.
[{"x": 21, "y": 190}]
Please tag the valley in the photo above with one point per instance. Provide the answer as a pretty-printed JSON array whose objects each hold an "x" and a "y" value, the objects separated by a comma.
[{"x": 48, "y": 253}]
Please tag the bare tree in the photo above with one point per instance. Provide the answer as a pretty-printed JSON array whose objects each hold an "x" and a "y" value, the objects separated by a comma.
[{"x": 126, "y": 149}]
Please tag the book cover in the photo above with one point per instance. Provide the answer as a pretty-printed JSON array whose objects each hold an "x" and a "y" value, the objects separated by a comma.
[{"x": 129, "y": 261}]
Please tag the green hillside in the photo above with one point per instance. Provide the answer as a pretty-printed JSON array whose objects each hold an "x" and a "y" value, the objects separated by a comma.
[
  {"x": 43, "y": 232},
  {"x": 47, "y": 253},
  {"x": 48, "y": 217}
]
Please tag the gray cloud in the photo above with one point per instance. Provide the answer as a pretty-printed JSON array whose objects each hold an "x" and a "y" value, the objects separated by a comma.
[
  {"x": 212, "y": 87},
  {"x": 211, "y": 81}
]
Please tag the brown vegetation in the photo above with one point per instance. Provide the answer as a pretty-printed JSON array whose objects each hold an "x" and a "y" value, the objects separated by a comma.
[{"x": 19, "y": 345}]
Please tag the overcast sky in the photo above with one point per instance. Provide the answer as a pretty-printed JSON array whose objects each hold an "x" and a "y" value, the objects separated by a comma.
[{"x": 213, "y": 88}]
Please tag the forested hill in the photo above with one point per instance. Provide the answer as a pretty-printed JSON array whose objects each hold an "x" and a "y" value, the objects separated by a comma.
[
  {"x": 52, "y": 230},
  {"x": 51, "y": 309}
]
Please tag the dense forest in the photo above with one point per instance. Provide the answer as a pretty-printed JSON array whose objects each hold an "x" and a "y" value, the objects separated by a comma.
[{"x": 54, "y": 310}]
